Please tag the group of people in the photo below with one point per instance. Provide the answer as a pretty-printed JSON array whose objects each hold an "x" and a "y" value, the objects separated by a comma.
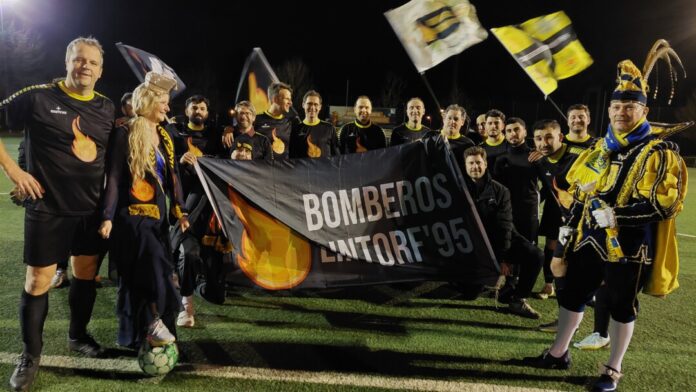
[{"x": 618, "y": 187}]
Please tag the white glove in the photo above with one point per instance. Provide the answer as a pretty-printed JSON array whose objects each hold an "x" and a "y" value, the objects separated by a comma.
[
  {"x": 605, "y": 217},
  {"x": 565, "y": 233}
]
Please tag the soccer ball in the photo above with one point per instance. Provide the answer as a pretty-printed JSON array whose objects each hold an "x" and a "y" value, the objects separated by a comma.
[{"x": 157, "y": 361}]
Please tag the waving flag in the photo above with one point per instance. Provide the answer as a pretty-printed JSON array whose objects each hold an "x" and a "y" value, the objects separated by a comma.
[
  {"x": 142, "y": 62},
  {"x": 389, "y": 215},
  {"x": 257, "y": 76},
  {"x": 546, "y": 48},
  {"x": 433, "y": 30}
]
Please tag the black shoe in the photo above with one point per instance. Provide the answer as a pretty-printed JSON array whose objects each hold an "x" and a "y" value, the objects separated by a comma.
[
  {"x": 86, "y": 345},
  {"x": 521, "y": 308},
  {"x": 608, "y": 381},
  {"x": 25, "y": 372},
  {"x": 548, "y": 361}
]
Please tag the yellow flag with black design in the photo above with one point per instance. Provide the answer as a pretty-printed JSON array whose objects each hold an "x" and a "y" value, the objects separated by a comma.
[{"x": 547, "y": 48}]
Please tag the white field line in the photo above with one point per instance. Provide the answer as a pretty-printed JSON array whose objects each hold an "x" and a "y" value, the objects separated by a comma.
[
  {"x": 260, "y": 374},
  {"x": 686, "y": 235}
]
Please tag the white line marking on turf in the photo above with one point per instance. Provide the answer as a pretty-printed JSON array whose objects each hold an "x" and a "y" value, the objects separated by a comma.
[
  {"x": 686, "y": 235},
  {"x": 261, "y": 374}
]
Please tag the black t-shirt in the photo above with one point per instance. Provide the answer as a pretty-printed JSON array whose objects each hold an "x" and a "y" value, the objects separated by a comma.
[
  {"x": 355, "y": 137},
  {"x": 404, "y": 134},
  {"x": 277, "y": 130},
  {"x": 493, "y": 151},
  {"x": 65, "y": 140},
  {"x": 458, "y": 145},
  {"x": 514, "y": 170},
  {"x": 203, "y": 142},
  {"x": 313, "y": 140},
  {"x": 551, "y": 169}
]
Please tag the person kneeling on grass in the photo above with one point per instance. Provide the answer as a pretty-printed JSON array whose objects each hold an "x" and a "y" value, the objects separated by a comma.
[{"x": 495, "y": 209}]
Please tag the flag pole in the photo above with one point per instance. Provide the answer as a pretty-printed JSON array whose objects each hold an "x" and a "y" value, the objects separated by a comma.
[
  {"x": 432, "y": 93},
  {"x": 548, "y": 98}
]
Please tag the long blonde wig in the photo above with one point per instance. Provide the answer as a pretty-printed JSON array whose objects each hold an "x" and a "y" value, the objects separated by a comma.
[{"x": 140, "y": 144}]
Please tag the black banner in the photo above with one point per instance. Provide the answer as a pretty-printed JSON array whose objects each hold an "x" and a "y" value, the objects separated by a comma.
[{"x": 389, "y": 215}]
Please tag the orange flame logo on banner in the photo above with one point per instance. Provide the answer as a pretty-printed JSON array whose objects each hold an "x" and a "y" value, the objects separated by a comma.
[{"x": 272, "y": 255}]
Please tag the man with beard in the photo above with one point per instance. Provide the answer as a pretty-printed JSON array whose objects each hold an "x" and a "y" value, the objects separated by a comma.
[
  {"x": 556, "y": 160},
  {"x": 275, "y": 123},
  {"x": 245, "y": 114},
  {"x": 361, "y": 135},
  {"x": 313, "y": 138},
  {"x": 413, "y": 129},
  {"x": 194, "y": 139},
  {"x": 494, "y": 144},
  {"x": 514, "y": 170},
  {"x": 578, "y": 138}
]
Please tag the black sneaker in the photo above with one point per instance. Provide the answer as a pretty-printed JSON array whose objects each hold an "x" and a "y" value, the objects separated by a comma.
[
  {"x": 25, "y": 372},
  {"x": 548, "y": 361},
  {"x": 86, "y": 345},
  {"x": 521, "y": 308}
]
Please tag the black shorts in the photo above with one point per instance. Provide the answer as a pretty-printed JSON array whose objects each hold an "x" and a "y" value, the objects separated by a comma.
[{"x": 49, "y": 238}]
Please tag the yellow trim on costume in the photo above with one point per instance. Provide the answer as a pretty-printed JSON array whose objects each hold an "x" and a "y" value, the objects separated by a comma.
[
  {"x": 459, "y": 136},
  {"x": 195, "y": 127},
  {"x": 279, "y": 117},
  {"x": 71, "y": 94},
  {"x": 495, "y": 144},
  {"x": 556, "y": 156},
  {"x": 582, "y": 140},
  {"x": 168, "y": 145},
  {"x": 177, "y": 212},
  {"x": 148, "y": 210},
  {"x": 311, "y": 124},
  {"x": 369, "y": 123},
  {"x": 420, "y": 126}
]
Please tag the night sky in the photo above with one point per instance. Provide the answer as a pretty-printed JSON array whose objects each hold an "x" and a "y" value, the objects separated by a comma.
[{"x": 206, "y": 42}]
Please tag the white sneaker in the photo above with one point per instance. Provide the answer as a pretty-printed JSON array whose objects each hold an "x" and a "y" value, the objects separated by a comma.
[
  {"x": 185, "y": 319},
  {"x": 59, "y": 279},
  {"x": 594, "y": 341},
  {"x": 158, "y": 334}
]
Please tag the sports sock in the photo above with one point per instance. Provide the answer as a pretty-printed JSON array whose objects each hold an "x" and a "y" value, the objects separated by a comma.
[
  {"x": 81, "y": 300},
  {"x": 32, "y": 316}
]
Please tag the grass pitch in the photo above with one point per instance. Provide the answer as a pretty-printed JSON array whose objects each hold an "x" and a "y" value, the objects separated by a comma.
[{"x": 408, "y": 337}]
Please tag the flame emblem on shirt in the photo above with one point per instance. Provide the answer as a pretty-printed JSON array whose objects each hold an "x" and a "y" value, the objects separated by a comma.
[
  {"x": 192, "y": 148},
  {"x": 142, "y": 190},
  {"x": 83, "y": 147},
  {"x": 313, "y": 151},
  {"x": 271, "y": 254},
  {"x": 278, "y": 146},
  {"x": 358, "y": 145}
]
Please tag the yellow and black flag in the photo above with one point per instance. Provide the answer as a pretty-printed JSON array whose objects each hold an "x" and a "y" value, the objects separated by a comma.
[
  {"x": 547, "y": 49},
  {"x": 433, "y": 30}
]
